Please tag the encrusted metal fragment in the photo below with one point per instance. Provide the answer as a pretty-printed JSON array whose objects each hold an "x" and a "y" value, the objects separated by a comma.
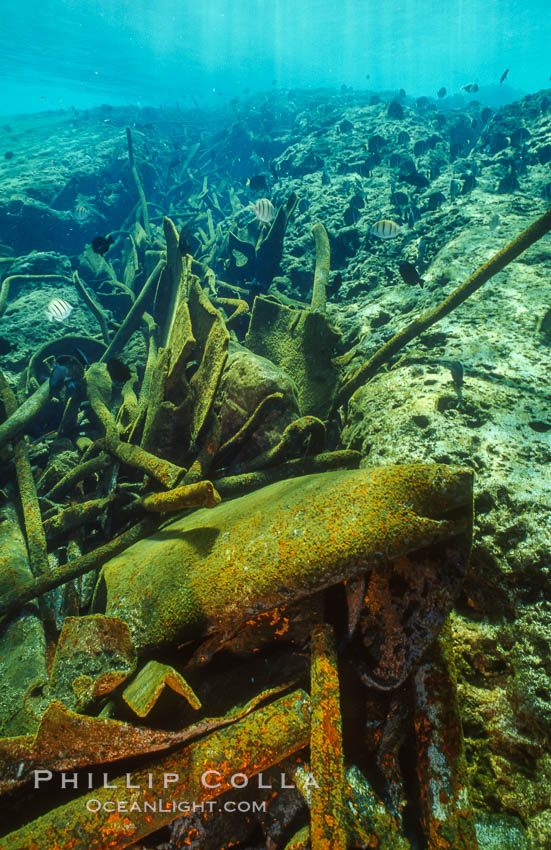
[
  {"x": 94, "y": 655},
  {"x": 327, "y": 826},
  {"x": 145, "y": 689},
  {"x": 76, "y": 515},
  {"x": 32, "y": 407},
  {"x": 398, "y": 627},
  {"x": 30, "y": 509},
  {"x": 368, "y": 822},
  {"x": 252, "y": 745},
  {"x": 14, "y": 597},
  {"x": 200, "y": 495},
  {"x": 446, "y": 812},
  {"x": 302, "y": 343},
  {"x": 67, "y": 740},
  {"x": 238, "y": 485}
]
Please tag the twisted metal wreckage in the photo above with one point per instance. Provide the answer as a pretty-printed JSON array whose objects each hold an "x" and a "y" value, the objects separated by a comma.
[{"x": 289, "y": 522}]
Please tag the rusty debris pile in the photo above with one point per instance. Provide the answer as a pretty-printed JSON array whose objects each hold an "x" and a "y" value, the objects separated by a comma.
[{"x": 198, "y": 583}]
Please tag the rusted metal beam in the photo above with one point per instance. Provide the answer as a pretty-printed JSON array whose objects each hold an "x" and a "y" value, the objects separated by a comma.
[{"x": 138, "y": 804}]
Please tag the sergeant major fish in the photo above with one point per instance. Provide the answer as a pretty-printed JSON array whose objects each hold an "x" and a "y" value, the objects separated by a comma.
[
  {"x": 386, "y": 229},
  {"x": 263, "y": 209},
  {"x": 58, "y": 310}
]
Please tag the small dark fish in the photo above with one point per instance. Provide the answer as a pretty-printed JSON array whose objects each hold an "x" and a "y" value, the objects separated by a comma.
[
  {"x": 403, "y": 137},
  {"x": 118, "y": 371},
  {"x": 395, "y": 110},
  {"x": 357, "y": 201},
  {"x": 257, "y": 183},
  {"x": 456, "y": 368},
  {"x": 436, "y": 199},
  {"x": 183, "y": 241},
  {"x": 544, "y": 154},
  {"x": 256, "y": 288},
  {"x": 508, "y": 184},
  {"x": 375, "y": 143},
  {"x": 486, "y": 114},
  {"x": 504, "y": 75},
  {"x": 470, "y": 87},
  {"x": 498, "y": 142},
  {"x": 412, "y": 214},
  {"x": 455, "y": 188},
  {"x": 519, "y": 135},
  {"x": 101, "y": 244},
  {"x": 410, "y": 275},
  {"x": 455, "y": 150},
  {"x": 366, "y": 167},
  {"x": 415, "y": 179},
  {"x": 57, "y": 379},
  {"x": 9, "y": 155},
  {"x": 334, "y": 285},
  {"x": 399, "y": 199},
  {"x": 468, "y": 184},
  {"x": 420, "y": 147},
  {"x": 442, "y": 92},
  {"x": 422, "y": 103},
  {"x": 5, "y": 345}
]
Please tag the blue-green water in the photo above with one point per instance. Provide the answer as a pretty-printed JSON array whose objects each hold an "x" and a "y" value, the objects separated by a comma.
[{"x": 59, "y": 53}]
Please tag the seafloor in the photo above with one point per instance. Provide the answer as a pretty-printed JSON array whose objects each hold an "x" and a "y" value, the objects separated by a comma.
[{"x": 177, "y": 387}]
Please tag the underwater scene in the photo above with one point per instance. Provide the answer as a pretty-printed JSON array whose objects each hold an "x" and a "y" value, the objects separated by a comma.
[{"x": 275, "y": 425}]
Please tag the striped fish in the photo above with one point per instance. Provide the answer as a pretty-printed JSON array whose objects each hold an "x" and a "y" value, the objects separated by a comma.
[
  {"x": 58, "y": 310},
  {"x": 81, "y": 213},
  {"x": 386, "y": 229},
  {"x": 264, "y": 210}
]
